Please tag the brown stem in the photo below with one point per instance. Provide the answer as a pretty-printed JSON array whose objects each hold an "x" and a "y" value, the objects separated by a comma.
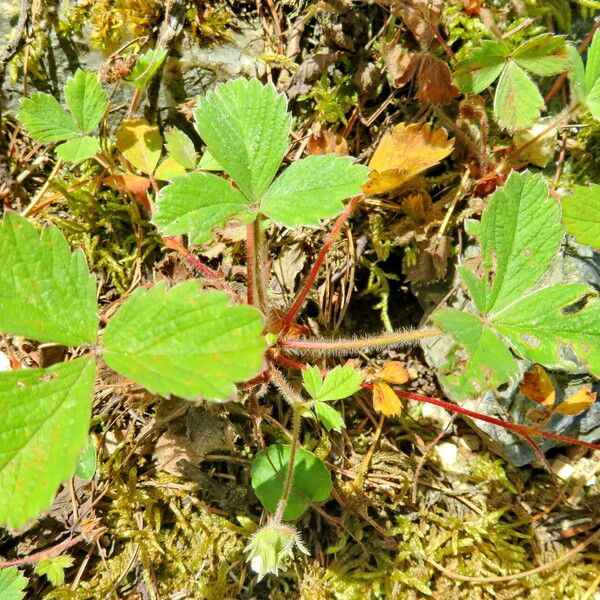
[{"x": 38, "y": 556}]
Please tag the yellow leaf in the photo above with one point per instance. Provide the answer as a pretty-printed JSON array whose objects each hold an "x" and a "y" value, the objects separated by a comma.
[
  {"x": 385, "y": 400},
  {"x": 140, "y": 143},
  {"x": 168, "y": 169},
  {"x": 537, "y": 386},
  {"x": 577, "y": 403},
  {"x": 394, "y": 371},
  {"x": 404, "y": 153}
]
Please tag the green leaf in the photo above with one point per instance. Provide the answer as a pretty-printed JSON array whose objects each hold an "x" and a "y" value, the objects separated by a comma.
[
  {"x": 517, "y": 101},
  {"x": 195, "y": 203},
  {"x": 54, "y": 568},
  {"x": 168, "y": 169},
  {"x": 46, "y": 120},
  {"x": 538, "y": 326},
  {"x": 312, "y": 189},
  {"x": 311, "y": 479},
  {"x": 183, "y": 342},
  {"x": 209, "y": 163},
  {"x": 245, "y": 126},
  {"x": 181, "y": 148},
  {"x": 489, "y": 365},
  {"x": 544, "y": 55},
  {"x": 146, "y": 67},
  {"x": 581, "y": 214},
  {"x": 340, "y": 383},
  {"x": 481, "y": 68},
  {"x": 515, "y": 254},
  {"x": 592, "y": 67},
  {"x": 86, "y": 463},
  {"x": 140, "y": 143},
  {"x": 78, "y": 149},
  {"x": 576, "y": 74},
  {"x": 44, "y": 426},
  {"x": 12, "y": 584},
  {"x": 330, "y": 417},
  {"x": 86, "y": 99},
  {"x": 46, "y": 292}
]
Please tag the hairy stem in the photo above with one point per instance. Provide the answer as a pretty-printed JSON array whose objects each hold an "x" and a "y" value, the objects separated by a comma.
[
  {"x": 260, "y": 259},
  {"x": 343, "y": 347},
  {"x": 306, "y": 287},
  {"x": 250, "y": 264}
]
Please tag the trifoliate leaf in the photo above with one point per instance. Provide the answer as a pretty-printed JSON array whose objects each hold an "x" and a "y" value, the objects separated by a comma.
[
  {"x": 54, "y": 568},
  {"x": 515, "y": 254},
  {"x": 581, "y": 214},
  {"x": 12, "y": 584},
  {"x": 481, "y": 68},
  {"x": 46, "y": 120},
  {"x": 183, "y": 342},
  {"x": 313, "y": 189},
  {"x": 339, "y": 383},
  {"x": 44, "y": 426},
  {"x": 538, "y": 326},
  {"x": 140, "y": 143},
  {"x": 78, "y": 149},
  {"x": 146, "y": 67},
  {"x": 46, "y": 292},
  {"x": 331, "y": 418},
  {"x": 544, "y": 55},
  {"x": 180, "y": 148},
  {"x": 195, "y": 203},
  {"x": 86, "y": 99},
  {"x": 489, "y": 363},
  {"x": 310, "y": 480},
  {"x": 245, "y": 126},
  {"x": 517, "y": 101},
  {"x": 86, "y": 463}
]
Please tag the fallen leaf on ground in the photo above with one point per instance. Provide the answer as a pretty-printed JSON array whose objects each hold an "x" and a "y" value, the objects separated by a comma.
[
  {"x": 394, "y": 371},
  {"x": 324, "y": 141},
  {"x": 431, "y": 262},
  {"x": 419, "y": 208},
  {"x": 579, "y": 402},
  {"x": 434, "y": 81},
  {"x": 385, "y": 400},
  {"x": 538, "y": 387},
  {"x": 400, "y": 64}
]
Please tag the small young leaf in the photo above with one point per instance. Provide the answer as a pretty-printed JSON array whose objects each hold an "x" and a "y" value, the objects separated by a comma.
[
  {"x": 86, "y": 463},
  {"x": 544, "y": 55},
  {"x": 180, "y": 148},
  {"x": 86, "y": 99},
  {"x": 490, "y": 363},
  {"x": 46, "y": 120},
  {"x": 195, "y": 203},
  {"x": 312, "y": 189},
  {"x": 481, "y": 68},
  {"x": 581, "y": 214},
  {"x": 12, "y": 584},
  {"x": 44, "y": 426},
  {"x": 183, "y": 342},
  {"x": 146, "y": 67},
  {"x": 54, "y": 568},
  {"x": 245, "y": 126},
  {"x": 579, "y": 402},
  {"x": 78, "y": 149},
  {"x": 517, "y": 101},
  {"x": 385, "y": 400},
  {"x": 46, "y": 292},
  {"x": 140, "y": 143},
  {"x": 310, "y": 480},
  {"x": 339, "y": 383},
  {"x": 330, "y": 417},
  {"x": 538, "y": 387}
]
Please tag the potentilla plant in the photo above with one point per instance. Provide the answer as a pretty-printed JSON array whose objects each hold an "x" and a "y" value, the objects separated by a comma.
[{"x": 205, "y": 344}]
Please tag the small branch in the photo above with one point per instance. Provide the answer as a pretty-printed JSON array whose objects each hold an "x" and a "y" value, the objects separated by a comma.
[
  {"x": 306, "y": 287},
  {"x": 44, "y": 554}
]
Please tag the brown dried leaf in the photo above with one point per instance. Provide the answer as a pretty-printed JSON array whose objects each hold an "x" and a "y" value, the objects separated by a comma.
[
  {"x": 419, "y": 208},
  {"x": 434, "y": 81},
  {"x": 431, "y": 261},
  {"x": 309, "y": 72},
  {"x": 324, "y": 141},
  {"x": 579, "y": 402},
  {"x": 400, "y": 65},
  {"x": 538, "y": 387}
]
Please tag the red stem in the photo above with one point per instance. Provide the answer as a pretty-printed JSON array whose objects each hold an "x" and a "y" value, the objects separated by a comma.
[
  {"x": 38, "y": 556},
  {"x": 250, "y": 262},
  {"x": 301, "y": 297},
  {"x": 174, "y": 243},
  {"x": 284, "y": 361}
]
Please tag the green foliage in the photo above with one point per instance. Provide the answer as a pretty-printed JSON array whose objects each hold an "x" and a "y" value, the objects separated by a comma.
[
  {"x": 54, "y": 568},
  {"x": 339, "y": 383},
  {"x": 44, "y": 426},
  {"x": 585, "y": 81},
  {"x": 146, "y": 67},
  {"x": 46, "y": 120},
  {"x": 311, "y": 479},
  {"x": 246, "y": 126},
  {"x": 581, "y": 214},
  {"x": 179, "y": 341},
  {"x": 46, "y": 292},
  {"x": 86, "y": 463},
  {"x": 517, "y": 101},
  {"x": 534, "y": 321},
  {"x": 180, "y": 148},
  {"x": 12, "y": 584}
]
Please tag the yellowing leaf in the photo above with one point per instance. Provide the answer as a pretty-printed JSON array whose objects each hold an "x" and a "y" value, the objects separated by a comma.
[
  {"x": 385, "y": 400},
  {"x": 404, "y": 153},
  {"x": 537, "y": 386},
  {"x": 168, "y": 169},
  {"x": 140, "y": 143},
  {"x": 577, "y": 403},
  {"x": 394, "y": 371}
]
